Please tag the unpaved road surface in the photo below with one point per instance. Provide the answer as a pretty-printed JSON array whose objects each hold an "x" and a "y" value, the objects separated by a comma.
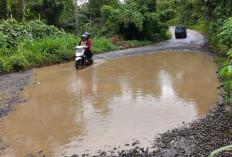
[
  {"x": 12, "y": 84},
  {"x": 195, "y": 139},
  {"x": 195, "y": 41}
]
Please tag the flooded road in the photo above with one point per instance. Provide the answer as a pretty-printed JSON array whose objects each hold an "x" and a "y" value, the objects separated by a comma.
[{"x": 110, "y": 104}]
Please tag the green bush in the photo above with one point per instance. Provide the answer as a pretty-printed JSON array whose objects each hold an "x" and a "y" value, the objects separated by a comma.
[
  {"x": 167, "y": 15},
  {"x": 14, "y": 32},
  {"x": 226, "y": 78},
  {"x": 172, "y": 22},
  {"x": 49, "y": 50},
  {"x": 18, "y": 63},
  {"x": 208, "y": 18},
  {"x": 226, "y": 34},
  {"x": 102, "y": 44},
  {"x": 199, "y": 27},
  {"x": 168, "y": 35},
  {"x": 3, "y": 67},
  {"x": 34, "y": 44},
  {"x": 170, "y": 14},
  {"x": 134, "y": 20}
]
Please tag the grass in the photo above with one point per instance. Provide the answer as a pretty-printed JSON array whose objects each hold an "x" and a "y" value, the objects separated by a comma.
[
  {"x": 37, "y": 53},
  {"x": 199, "y": 27},
  {"x": 51, "y": 50},
  {"x": 225, "y": 148},
  {"x": 102, "y": 44},
  {"x": 35, "y": 44},
  {"x": 168, "y": 34},
  {"x": 172, "y": 22},
  {"x": 221, "y": 61}
]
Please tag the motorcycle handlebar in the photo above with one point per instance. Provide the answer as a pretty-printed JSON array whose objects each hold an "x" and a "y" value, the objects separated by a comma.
[{"x": 81, "y": 47}]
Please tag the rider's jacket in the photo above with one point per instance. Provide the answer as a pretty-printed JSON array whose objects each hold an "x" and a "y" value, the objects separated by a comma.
[{"x": 87, "y": 43}]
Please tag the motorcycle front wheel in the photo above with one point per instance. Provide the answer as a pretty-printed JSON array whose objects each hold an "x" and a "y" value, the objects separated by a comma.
[{"x": 78, "y": 64}]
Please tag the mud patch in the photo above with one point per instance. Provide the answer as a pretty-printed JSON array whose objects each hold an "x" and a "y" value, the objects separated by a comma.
[{"x": 111, "y": 104}]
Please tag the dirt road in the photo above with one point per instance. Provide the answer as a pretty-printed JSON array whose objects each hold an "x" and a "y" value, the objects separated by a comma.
[{"x": 195, "y": 139}]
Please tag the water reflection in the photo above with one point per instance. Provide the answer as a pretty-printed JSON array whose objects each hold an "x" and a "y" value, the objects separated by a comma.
[{"x": 110, "y": 103}]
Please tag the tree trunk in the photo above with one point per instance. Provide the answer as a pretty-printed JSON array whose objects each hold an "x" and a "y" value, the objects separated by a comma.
[
  {"x": 8, "y": 8},
  {"x": 23, "y": 2},
  {"x": 90, "y": 20},
  {"x": 76, "y": 18}
]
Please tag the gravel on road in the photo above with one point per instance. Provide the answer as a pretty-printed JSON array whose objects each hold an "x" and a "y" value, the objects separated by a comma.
[{"x": 198, "y": 138}]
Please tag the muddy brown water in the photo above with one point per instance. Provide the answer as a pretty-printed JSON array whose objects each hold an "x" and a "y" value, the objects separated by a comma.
[{"x": 110, "y": 104}]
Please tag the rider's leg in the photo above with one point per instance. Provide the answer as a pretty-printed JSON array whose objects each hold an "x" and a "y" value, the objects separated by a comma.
[{"x": 88, "y": 55}]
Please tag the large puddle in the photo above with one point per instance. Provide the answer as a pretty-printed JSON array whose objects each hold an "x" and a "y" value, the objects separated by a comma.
[{"x": 110, "y": 104}]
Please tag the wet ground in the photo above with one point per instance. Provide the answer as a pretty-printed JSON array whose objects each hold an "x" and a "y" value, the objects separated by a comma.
[
  {"x": 110, "y": 103},
  {"x": 195, "y": 41},
  {"x": 11, "y": 85},
  {"x": 68, "y": 111}
]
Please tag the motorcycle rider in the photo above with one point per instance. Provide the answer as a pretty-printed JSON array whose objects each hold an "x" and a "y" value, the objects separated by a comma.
[
  {"x": 90, "y": 53},
  {"x": 85, "y": 42}
]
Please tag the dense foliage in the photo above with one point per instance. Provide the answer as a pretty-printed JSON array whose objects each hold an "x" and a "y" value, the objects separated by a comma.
[
  {"x": 42, "y": 38},
  {"x": 226, "y": 70},
  {"x": 31, "y": 44},
  {"x": 133, "y": 19},
  {"x": 209, "y": 16},
  {"x": 35, "y": 44},
  {"x": 12, "y": 32},
  {"x": 226, "y": 76},
  {"x": 10, "y": 8},
  {"x": 214, "y": 18},
  {"x": 139, "y": 20}
]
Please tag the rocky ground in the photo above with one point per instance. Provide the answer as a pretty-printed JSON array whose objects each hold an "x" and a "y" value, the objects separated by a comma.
[
  {"x": 198, "y": 138},
  {"x": 11, "y": 85},
  {"x": 195, "y": 42}
]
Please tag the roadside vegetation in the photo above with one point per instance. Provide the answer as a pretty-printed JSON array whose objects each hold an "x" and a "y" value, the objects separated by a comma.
[
  {"x": 35, "y": 44},
  {"x": 35, "y": 33},
  {"x": 226, "y": 64},
  {"x": 214, "y": 19},
  {"x": 208, "y": 16}
]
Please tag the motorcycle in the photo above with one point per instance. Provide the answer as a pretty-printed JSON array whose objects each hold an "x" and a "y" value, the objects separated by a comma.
[{"x": 81, "y": 58}]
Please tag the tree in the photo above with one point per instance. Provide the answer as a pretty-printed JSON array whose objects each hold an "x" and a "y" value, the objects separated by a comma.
[
  {"x": 23, "y": 2},
  {"x": 51, "y": 10},
  {"x": 139, "y": 20},
  {"x": 93, "y": 9},
  {"x": 10, "y": 8},
  {"x": 76, "y": 18},
  {"x": 3, "y": 9}
]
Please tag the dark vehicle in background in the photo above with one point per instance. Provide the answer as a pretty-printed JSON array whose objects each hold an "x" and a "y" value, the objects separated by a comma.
[{"x": 180, "y": 32}]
